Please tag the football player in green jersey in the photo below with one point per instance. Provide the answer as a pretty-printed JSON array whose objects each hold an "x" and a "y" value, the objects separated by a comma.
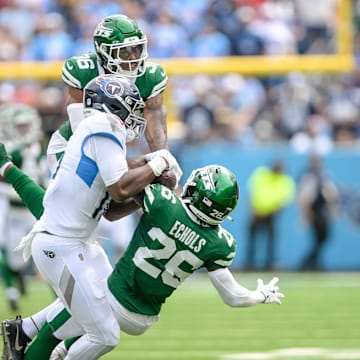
[
  {"x": 120, "y": 47},
  {"x": 20, "y": 128},
  {"x": 163, "y": 252}
]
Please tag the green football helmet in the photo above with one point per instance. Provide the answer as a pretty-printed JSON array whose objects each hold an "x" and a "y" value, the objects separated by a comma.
[
  {"x": 121, "y": 45},
  {"x": 21, "y": 125},
  {"x": 211, "y": 193}
]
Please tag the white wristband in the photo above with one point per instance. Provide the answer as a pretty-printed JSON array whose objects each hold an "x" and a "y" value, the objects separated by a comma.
[
  {"x": 150, "y": 156},
  {"x": 158, "y": 165},
  {"x": 4, "y": 167}
]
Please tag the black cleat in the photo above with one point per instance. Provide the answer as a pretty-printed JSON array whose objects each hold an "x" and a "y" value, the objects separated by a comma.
[{"x": 14, "y": 339}]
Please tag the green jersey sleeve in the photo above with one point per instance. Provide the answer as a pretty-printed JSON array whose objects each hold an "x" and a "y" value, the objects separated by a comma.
[
  {"x": 152, "y": 82},
  {"x": 65, "y": 130},
  {"x": 77, "y": 71},
  {"x": 29, "y": 191}
]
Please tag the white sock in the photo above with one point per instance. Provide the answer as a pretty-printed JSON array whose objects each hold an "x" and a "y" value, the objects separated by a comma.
[{"x": 32, "y": 324}]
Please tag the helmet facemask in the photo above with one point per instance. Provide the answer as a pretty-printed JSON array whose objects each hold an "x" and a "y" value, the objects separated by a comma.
[
  {"x": 121, "y": 46},
  {"x": 126, "y": 59},
  {"x": 131, "y": 113}
]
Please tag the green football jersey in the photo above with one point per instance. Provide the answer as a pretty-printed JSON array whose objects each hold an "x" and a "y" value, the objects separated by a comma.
[
  {"x": 77, "y": 71},
  {"x": 168, "y": 245}
]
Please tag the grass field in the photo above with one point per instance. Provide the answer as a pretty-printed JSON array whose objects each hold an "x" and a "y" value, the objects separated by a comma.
[{"x": 319, "y": 319}]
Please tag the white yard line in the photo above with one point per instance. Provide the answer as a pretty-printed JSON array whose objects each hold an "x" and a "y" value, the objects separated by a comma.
[{"x": 293, "y": 353}]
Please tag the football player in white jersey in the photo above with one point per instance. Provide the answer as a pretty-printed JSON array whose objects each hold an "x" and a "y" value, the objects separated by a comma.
[{"x": 92, "y": 172}]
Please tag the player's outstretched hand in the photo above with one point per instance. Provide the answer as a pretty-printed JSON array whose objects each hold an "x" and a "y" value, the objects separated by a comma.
[{"x": 270, "y": 291}]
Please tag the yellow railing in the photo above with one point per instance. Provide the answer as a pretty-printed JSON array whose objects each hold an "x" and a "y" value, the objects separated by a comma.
[{"x": 250, "y": 65}]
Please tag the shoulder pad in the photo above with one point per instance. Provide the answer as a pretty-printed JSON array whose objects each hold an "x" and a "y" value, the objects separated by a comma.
[
  {"x": 77, "y": 71},
  {"x": 153, "y": 81}
]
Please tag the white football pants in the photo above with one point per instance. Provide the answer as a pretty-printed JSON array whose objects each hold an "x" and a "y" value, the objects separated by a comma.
[{"x": 78, "y": 271}]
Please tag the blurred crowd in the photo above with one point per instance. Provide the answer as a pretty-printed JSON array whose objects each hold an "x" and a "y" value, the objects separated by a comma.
[{"x": 309, "y": 111}]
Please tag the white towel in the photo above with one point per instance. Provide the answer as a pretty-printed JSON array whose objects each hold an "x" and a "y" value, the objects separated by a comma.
[{"x": 26, "y": 241}]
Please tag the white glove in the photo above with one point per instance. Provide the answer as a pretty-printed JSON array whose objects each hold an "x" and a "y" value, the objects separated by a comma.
[
  {"x": 150, "y": 156},
  {"x": 270, "y": 291},
  {"x": 165, "y": 154},
  {"x": 60, "y": 352},
  {"x": 172, "y": 163}
]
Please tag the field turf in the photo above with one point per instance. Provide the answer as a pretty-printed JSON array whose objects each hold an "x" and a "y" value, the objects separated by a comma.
[{"x": 319, "y": 319}]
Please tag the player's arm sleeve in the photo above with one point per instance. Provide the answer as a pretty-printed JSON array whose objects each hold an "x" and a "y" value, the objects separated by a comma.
[
  {"x": 111, "y": 167},
  {"x": 29, "y": 191},
  {"x": 231, "y": 292}
]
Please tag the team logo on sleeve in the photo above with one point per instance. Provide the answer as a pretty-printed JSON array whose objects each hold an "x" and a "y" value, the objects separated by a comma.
[
  {"x": 48, "y": 253},
  {"x": 111, "y": 87}
]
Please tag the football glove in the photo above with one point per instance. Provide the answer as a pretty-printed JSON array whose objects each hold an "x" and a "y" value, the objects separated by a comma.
[
  {"x": 270, "y": 291},
  {"x": 172, "y": 163}
]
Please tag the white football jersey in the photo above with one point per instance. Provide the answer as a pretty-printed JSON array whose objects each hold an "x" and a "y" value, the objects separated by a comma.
[{"x": 95, "y": 158}]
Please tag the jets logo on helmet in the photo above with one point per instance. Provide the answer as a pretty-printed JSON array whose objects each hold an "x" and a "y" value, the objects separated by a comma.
[
  {"x": 111, "y": 87},
  {"x": 102, "y": 30}
]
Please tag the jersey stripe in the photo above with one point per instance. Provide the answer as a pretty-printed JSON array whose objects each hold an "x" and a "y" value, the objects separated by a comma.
[
  {"x": 66, "y": 285},
  {"x": 87, "y": 168},
  {"x": 69, "y": 79},
  {"x": 100, "y": 209},
  {"x": 149, "y": 198},
  {"x": 223, "y": 263},
  {"x": 159, "y": 88}
]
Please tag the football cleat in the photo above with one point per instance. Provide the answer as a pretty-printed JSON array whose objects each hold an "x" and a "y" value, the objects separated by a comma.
[{"x": 14, "y": 339}]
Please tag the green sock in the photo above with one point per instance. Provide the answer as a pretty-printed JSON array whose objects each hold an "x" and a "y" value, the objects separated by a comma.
[
  {"x": 42, "y": 346},
  {"x": 69, "y": 342}
]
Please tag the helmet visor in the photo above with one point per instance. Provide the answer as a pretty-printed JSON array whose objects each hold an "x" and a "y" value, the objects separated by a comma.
[{"x": 127, "y": 58}]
